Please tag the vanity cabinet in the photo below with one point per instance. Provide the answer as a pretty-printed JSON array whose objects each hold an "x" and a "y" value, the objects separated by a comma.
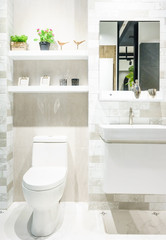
[{"x": 134, "y": 158}]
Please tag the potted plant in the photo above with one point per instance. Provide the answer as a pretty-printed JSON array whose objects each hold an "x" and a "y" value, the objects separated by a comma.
[
  {"x": 130, "y": 76},
  {"x": 18, "y": 42},
  {"x": 46, "y": 37}
]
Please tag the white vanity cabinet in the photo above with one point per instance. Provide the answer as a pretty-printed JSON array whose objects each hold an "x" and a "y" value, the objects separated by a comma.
[{"x": 134, "y": 159}]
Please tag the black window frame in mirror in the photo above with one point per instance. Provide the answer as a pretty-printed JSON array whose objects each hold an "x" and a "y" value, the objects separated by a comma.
[{"x": 134, "y": 35}]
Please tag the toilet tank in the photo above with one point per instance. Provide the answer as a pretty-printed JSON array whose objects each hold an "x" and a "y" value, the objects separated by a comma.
[{"x": 49, "y": 151}]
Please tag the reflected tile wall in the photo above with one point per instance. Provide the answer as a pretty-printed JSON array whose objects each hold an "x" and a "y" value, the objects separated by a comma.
[{"x": 117, "y": 112}]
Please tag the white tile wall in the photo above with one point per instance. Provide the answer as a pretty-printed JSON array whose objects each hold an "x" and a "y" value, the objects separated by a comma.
[
  {"x": 117, "y": 112},
  {"x": 6, "y": 159}
]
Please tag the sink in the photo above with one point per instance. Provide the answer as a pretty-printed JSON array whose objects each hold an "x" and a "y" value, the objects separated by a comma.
[{"x": 125, "y": 133}]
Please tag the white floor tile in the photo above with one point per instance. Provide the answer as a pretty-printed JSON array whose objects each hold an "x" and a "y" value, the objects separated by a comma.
[{"x": 77, "y": 223}]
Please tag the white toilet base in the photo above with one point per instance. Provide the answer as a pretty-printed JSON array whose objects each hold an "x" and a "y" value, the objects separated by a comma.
[{"x": 44, "y": 222}]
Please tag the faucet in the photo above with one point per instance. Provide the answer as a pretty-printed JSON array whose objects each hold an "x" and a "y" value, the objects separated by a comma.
[{"x": 131, "y": 115}]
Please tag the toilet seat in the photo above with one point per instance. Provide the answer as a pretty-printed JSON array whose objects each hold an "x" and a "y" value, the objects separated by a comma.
[{"x": 44, "y": 178}]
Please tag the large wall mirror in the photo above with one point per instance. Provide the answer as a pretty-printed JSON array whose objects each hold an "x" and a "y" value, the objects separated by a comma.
[{"x": 129, "y": 50}]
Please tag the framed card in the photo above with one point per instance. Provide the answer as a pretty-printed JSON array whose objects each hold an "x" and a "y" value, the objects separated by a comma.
[
  {"x": 23, "y": 81},
  {"x": 45, "y": 81}
]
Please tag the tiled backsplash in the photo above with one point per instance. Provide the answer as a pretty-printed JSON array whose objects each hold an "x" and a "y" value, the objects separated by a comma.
[{"x": 118, "y": 112}]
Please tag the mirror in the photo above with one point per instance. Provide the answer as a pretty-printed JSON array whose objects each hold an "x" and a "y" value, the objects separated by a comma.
[{"x": 129, "y": 50}]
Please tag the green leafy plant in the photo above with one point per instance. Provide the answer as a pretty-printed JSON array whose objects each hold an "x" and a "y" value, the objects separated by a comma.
[
  {"x": 17, "y": 38},
  {"x": 130, "y": 76},
  {"x": 45, "y": 35}
]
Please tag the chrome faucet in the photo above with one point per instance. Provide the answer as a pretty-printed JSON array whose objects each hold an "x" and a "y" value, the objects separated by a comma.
[{"x": 131, "y": 115}]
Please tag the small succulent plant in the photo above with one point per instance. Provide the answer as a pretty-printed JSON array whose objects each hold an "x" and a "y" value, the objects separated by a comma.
[{"x": 17, "y": 38}]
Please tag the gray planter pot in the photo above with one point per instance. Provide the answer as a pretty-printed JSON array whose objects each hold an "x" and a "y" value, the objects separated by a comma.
[
  {"x": 75, "y": 81},
  {"x": 44, "y": 45}
]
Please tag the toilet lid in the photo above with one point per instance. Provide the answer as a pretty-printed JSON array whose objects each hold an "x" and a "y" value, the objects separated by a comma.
[{"x": 44, "y": 178}]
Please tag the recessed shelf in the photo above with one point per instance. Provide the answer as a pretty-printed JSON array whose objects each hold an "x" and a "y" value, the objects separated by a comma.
[
  {"x": 49, "y": 55},
  {"x": 48, "y": 89}
]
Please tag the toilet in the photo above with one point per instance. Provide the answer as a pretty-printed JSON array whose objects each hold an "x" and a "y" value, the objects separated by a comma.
[{"x": 43, "y": 184}]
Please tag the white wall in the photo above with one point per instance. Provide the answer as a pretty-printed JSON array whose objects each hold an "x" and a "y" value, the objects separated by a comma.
[
  {"x": 107, "y": 36},
  {"x": 106, "y": 74},
  {"x": 68, "y": 19}
]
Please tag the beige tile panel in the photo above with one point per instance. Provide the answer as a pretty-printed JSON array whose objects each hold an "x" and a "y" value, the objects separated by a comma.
[
  {"x": 3, "y": 25},
  {"x": 2, "y": 119},
  {"x": 110, "y": 197},
  {"x": 157, "y": 206},
  {"x": 10, "y": 186},
  {"x": 9, "y": 112},
  {"x": 2, "y": 135},
  {"x": 113, "y": 205},
  {"x": 129, "y": 197},
  {"x": 10, "y": 156},
  {"x": 155, "y": 198},
  {"x": 3, "y": 197},
  {"x": 133, "y": 206},
  {"x": 163, "y": 109},
  {"x": 2, "y": 74},
  {"x": 95, "y": 159},
  {"x": 3, "y": 181},
  {"x": 94, "y": 136},
  {"x": 55, "y": 69},
  {"x": 153, "y": 111},
  {"x": 51, "y": 110},
  {"x": 97, "y": 198},
  {"x": 3, "y": 165},
  {"x": 9, "y": 127},
  {"x": 98, "y": 205},
  {"x": 3, "y": 143}
]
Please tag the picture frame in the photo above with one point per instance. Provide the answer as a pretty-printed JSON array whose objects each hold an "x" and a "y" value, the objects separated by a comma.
[
  {"x": 23, "y": 81},
  {"x": 45, "y": 81}
]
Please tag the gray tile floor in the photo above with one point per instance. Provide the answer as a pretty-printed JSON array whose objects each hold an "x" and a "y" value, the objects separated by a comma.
[{"x": 134, "y": 222}]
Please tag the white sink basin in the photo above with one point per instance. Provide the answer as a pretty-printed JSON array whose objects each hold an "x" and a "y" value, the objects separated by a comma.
[{"x": 133, "y": 133}]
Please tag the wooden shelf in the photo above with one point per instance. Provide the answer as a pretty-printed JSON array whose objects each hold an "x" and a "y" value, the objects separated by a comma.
[
  {"x": 48, "y": 89},
  {"x": 49, "y": 55}
]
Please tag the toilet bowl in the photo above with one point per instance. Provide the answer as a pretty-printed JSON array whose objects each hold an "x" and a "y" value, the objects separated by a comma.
[{"x": 43, "y": 184}]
